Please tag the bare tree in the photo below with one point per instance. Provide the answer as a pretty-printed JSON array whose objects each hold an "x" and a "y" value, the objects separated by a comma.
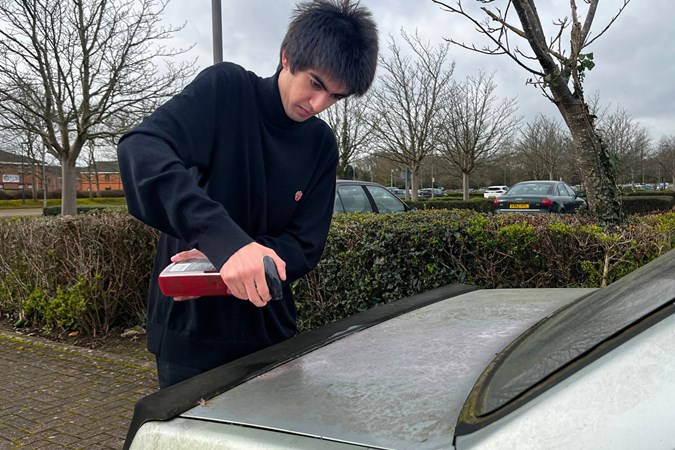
[
  {"x": 626, "y": 141},
  {"x": 477, "y": 126},
  {"x": 26, "y": 144},
  {"x": 665, "y": 157},
  {"x": 352, "y": 129},
  {"x": 560, "y": 75},
  {"x": 80, "y": 68},
  {"x": 543, "y": 148},
  {"x": 407, "y": 101}
]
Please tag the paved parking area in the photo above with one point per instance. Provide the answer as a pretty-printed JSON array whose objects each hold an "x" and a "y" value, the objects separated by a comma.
[{"x": 56, "y": 396}]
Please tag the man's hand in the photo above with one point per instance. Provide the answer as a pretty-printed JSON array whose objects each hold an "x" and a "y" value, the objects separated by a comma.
[
  {"x": 183, "y": 256},
  {"x": 244, "y": 273},
  {"x": 188, "y": 254}
]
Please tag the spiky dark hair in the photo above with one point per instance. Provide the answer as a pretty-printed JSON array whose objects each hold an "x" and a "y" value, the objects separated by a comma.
[{"x": 335, "y": 36}]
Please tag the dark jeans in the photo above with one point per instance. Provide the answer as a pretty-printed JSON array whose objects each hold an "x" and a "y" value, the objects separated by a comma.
[{"x": 170, "y": 373}]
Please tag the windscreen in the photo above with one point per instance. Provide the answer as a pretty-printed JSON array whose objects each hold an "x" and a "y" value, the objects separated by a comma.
[{"x": 577, "y": 329}]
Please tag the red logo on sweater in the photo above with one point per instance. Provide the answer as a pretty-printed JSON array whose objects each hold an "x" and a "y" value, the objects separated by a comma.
[{"x": 298, "y": 196}]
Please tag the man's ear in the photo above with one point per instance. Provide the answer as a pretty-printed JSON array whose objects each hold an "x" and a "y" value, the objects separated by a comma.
[{"x": 284, "y": 60}]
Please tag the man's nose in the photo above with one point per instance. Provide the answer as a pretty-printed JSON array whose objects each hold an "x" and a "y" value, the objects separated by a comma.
[{"x": 321, "y": 101}]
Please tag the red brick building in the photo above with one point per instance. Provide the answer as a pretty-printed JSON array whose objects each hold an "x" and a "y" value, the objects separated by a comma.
[
  {"x": 100, "y": 176},
  {"x": 18, "y": 172}
]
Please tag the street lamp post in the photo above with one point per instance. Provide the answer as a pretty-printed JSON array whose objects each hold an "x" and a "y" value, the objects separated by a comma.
[{"x": 217, "y": 26}]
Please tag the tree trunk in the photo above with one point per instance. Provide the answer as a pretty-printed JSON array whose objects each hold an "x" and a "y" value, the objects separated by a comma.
[
  {"x": 415, "y": 184},
  {"x": 44, "y": 182},
  {"x": 32, "y": 179},
  {"x": 597, "y": 168},
  {"x": 69, "y": 184},
  {"x": 91, "y": 187},
  {"x": 465, "y": 187},
  {"x": 98, "y": 182}
]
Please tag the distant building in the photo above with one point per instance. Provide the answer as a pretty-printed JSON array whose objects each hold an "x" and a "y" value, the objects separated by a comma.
[
  {"x": 20, "y": 172},
  {"x": 100, "y": 176}
]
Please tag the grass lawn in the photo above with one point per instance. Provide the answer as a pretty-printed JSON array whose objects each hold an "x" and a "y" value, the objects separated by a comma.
[{"x": 30, "y": 203}]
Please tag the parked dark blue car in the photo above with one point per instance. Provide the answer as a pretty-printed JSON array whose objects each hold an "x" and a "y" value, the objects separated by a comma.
[{"x": 539, "y": 197}]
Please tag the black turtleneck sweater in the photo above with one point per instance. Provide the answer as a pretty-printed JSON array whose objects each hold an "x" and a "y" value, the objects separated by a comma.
[{"x": 219, "y": 166}]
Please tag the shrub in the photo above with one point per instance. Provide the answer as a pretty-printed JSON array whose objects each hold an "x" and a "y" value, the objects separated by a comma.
[
  {"x": 111, "y": 193},
  {"x": 90, "y": 272},
  {"x": 56, "y": 210},
  {"x": 645, "y": 204},
  {"x": 372, "y": 259},
  {"x": 481, "y": 204},
  {"x": 87, "y": 272}
]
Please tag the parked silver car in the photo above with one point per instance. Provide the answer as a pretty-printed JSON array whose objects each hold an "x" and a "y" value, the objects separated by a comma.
[
  {"x": 364, "y": 196},
  {"x": 453, "y": 368}
]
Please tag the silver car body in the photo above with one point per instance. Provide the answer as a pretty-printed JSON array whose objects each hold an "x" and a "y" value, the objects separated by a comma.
[
  {"x": 363, "y": 196},
  {"x": 453, "y": 368}
]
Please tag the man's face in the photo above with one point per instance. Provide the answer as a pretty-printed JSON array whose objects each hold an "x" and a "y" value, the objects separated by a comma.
[{"x": 306, "y": 93}]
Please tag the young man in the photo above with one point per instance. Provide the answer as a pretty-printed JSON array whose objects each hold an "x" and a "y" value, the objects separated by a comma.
[{"x": 237, "y": 167}]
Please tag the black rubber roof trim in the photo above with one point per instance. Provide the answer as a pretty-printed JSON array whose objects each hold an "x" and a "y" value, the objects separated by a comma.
[{"x": 174, "y": 400}]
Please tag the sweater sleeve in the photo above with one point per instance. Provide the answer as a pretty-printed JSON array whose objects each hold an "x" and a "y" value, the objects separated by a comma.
[{"x": 155, "y": 161}]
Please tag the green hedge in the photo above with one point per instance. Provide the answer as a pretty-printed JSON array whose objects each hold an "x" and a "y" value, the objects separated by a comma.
[
  {"x": 481, "y": 205},
  {"x": 632, "y": 204},
  {"x": 56, "y": 210},
  {"x": 90, "y": 272},
  {"x": 14, "y": 194},
  {"x": 372, "y": 259},
  {"x": 643, "y": 204}
]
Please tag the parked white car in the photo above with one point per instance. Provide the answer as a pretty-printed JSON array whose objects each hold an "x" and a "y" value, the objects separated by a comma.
[
  {"x": 495, "y": 191},
  {"x": 455, "y": 368}
]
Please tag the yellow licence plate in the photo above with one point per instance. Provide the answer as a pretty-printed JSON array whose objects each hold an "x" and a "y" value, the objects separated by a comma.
[{"x": 519, "y": 205}]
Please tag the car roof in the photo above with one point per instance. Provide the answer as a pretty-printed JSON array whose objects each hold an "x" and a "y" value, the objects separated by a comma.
[
  {"x": 397, "y": 376},
  {"x": 539, "y": 182},
  {"x": 359, "y": 182},
  {"x": 383, "y": 380}
]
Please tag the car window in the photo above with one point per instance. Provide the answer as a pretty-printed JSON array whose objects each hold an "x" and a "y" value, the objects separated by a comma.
[
  {"x": 574, "y": 331},
  {"x": 351, "y": 199},
  {"x": 561, "y": 191},
  {"x": 530, "y": 189},
  {"x": 337, "y": 206},
  {"x": 385, "y": 201},
  {"x": 570, "y": 191}
]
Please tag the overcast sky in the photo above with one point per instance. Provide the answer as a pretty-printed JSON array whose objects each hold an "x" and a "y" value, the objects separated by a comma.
[{"x": 635, "y": 59}]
